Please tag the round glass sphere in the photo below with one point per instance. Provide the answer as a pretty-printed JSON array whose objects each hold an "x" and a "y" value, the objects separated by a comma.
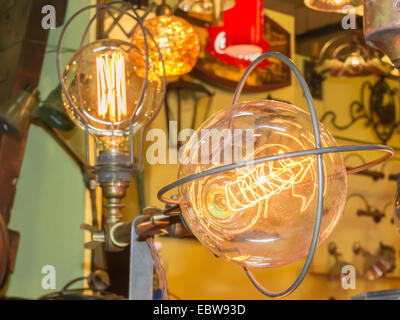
[
  {"x": 178, "y": 42},
  {"x": 111, "y": 74},
  {"x": 261, "y": 215},
  {"x": 333, "y": 5}
]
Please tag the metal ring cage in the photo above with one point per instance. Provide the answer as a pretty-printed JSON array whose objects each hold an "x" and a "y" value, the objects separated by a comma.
[
  {"x": 146, "y": 33},
  {"x": 317, "y": 151}
]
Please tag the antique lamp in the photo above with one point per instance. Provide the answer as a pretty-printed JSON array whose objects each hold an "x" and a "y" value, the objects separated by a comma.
[
  {"x": 259, "y": 211},
  {"x": 52, "y": 111},
  {"x": 382, "y": 30},
  {"x": 111, "y": 89},
  {"x": 177, "y": 39},
  {"x": 210, "y": 9},
  {"x": 334, "y": 5}
]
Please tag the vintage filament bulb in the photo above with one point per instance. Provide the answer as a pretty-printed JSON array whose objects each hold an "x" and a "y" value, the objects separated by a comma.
[
  {"x": 104, "y": 80},
  {"x": 261, "y": 215},
  {"x": 177, "y": 39},
  {"x": 263, "y": 183}
]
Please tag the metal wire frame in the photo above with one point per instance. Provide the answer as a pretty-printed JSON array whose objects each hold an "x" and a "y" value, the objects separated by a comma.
[
  {"x": 375, "y": 175},
  {"x": 318, "y": 151},
  {"x": 79, "y": 114}
]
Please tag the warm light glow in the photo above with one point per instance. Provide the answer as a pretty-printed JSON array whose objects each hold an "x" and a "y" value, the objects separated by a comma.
[
  {"x": 111, "y": 87},
  {"x": 267, "y": 180}
]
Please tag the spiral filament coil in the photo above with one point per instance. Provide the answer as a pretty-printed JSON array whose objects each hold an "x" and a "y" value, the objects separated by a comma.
[{"x": 267, "y": 180}]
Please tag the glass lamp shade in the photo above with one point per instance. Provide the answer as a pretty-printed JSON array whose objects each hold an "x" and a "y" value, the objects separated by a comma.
[
  {"x": 333, "y": 5},
  {"x": 178, "y": 42},
  {"x": 111, "y": 73},
  {"x": 261, "y": 215}
]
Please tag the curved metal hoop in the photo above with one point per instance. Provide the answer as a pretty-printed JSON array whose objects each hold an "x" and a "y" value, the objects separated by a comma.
[
  {"x": 296, "y": 154},
  {"x": 318, "y": 151}
]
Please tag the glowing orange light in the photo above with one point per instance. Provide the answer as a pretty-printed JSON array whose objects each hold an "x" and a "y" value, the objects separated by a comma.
[
  {"x": 111, "y": 86},
  {"x": 267, "y": 180}
]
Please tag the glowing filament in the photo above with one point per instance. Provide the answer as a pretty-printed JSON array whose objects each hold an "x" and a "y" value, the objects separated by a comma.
[
  {"x": 267, "y": 180},
  {"x": 111, "y": 87}
]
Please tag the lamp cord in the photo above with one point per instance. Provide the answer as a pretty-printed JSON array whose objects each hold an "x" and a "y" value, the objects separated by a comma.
[{"x": 159, "y": 268}]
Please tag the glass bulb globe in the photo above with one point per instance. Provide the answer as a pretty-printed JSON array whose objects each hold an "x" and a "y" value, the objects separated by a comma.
[
  {"x": 332, "y": 5},
  {"x": 178, "y": 42},
  {"x": 261, "y": 215},
  {"x": 111, "y": 74}
]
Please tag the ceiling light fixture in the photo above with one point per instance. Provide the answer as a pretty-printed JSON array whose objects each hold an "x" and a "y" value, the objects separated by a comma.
[{"x": 177, "y": 39}]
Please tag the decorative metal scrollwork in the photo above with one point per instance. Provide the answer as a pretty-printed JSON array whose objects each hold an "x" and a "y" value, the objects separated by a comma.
[{"x": 377, "y": 107}]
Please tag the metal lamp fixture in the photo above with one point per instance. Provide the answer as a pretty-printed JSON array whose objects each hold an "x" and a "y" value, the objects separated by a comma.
[
  {"x": 338, "y": 6},
  {"x": 382, "y": 27},
  {"x": 379, "y": 264},
  {"x": 249, "y": 212},
  {"x": 111, "y": 89},
  {"x": 211, "y": 9},
  {"x": 340, "y": 57},
  {"x": 52, "y": 111},
  {"x": 15, "y": 113}
]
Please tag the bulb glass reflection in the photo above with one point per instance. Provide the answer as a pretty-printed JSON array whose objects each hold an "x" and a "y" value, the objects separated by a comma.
[
  {"x": 111, "y": 74},
  {"x": 261, "y": 215},
  {"x": 178, "y": 42}
]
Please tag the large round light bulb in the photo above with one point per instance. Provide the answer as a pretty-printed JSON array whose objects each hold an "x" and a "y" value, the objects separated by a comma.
[
  {"x": 111, "y": 73},
  {"x": 178, "y": 42},
  {"x": 261, "y": 215}
]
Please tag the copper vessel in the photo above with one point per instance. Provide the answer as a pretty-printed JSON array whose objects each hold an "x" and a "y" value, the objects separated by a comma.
[{"x": 382, "y": 27}]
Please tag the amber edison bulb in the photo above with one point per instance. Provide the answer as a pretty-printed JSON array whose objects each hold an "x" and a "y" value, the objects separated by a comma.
[
  {"x": 261, "y": 215},
  {"x": 111, "y": 74},
  {"x": 178, "y": 42},
  {"x": 332, "y": 5}
]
